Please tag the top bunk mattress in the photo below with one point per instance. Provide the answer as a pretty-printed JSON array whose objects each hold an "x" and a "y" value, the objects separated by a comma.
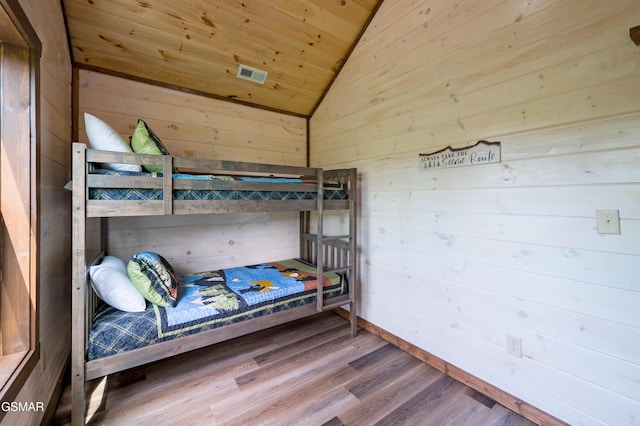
[{"x": 332, "y": 190}]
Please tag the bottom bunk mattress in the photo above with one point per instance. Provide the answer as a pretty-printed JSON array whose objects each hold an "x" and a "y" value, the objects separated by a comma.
[{"x": 209, "y": 300}]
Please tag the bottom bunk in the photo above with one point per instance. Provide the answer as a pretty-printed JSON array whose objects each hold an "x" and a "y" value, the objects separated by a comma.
[
  {"x": 211, "y": 307},
  {"x": 212, "y": 299}
]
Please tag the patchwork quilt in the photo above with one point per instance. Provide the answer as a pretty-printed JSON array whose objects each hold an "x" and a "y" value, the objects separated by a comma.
[
  {"x": 332, "y": 190},
  {"x": 212, "y": 299}
]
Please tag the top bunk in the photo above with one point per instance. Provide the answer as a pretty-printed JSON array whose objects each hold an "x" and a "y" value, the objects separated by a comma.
[{"x": 172, "y": 185}]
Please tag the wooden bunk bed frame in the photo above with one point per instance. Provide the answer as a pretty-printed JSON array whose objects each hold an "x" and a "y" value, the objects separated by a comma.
[{"x": 329, "y": 253}]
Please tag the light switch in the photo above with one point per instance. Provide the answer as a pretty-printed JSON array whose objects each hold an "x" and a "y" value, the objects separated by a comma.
[{"x": 608, "y": 221}]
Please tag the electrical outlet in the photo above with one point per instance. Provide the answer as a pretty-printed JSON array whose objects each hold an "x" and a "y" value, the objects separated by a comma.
[
  {"x": 514, "y": 346},
  {"x": 608, "y": 221}
]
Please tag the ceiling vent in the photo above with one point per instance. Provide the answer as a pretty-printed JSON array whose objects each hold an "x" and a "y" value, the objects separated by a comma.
[{"x": 252, "y": 74}]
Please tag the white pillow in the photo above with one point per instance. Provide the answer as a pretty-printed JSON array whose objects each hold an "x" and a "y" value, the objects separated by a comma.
[
  {"x": 112, "y": 284},
  {"x": 102, "y": 136}
]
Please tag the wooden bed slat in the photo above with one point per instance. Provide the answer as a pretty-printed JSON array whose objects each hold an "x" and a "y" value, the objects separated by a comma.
[
  {"x": 238, "y": 167},
  {"x": 167, "y": 184},
  {"x": 105, "y": 181},
  {"x": 97, "y": 156},
  {"x": 221, "y": 185},
  {"x": 189, "y": 163},
  {"x": 113, "y": 208}
]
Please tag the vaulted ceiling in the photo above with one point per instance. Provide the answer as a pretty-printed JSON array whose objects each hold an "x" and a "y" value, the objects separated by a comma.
[{"x": 198, "y": 45}]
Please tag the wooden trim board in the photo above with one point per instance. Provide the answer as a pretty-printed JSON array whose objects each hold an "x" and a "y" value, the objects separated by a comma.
[{"x": 507, "y": 400}]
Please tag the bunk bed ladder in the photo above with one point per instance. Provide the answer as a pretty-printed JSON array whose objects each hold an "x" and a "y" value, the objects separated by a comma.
[{"x": 327, "y": 256}]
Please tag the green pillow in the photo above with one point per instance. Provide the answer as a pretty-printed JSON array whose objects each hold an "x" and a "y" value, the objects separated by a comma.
[
  {"x": 154, "y": 278},
  {"x": 144, "y": 141}
]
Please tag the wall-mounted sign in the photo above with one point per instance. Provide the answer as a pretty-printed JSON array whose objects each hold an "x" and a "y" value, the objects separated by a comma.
[{"x": 482, "y": 152}]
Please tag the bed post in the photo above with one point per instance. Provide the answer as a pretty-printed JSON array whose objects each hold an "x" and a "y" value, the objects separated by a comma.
[
  {"x": 320, "y": 243},
  {"x": 303, "y": 252},
  {"x": 78, "y": 295},
  {"x": 353, "y": 247}
]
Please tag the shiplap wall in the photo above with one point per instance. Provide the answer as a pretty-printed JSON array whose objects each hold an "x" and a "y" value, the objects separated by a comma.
[
  {"x": 454, "y": 260},
  {"x": 55, "y": 209},
  {"x": 196, "y": 126}
]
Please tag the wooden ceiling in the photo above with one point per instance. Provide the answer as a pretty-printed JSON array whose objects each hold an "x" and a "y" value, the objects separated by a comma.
[{"x": 198, "y": 45}]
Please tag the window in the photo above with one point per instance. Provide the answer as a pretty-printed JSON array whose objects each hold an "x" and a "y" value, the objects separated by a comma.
[{"x": 19, "y": 72}]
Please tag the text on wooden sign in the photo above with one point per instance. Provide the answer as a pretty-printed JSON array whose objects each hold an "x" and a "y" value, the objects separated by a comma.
[{"x": 482, "y": 152}]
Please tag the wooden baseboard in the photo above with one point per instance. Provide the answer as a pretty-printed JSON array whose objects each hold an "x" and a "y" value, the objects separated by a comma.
[{"x": 507, "y": 400}]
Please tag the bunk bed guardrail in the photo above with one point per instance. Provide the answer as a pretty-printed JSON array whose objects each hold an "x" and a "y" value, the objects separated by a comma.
[{"x": 167, "y": 182}]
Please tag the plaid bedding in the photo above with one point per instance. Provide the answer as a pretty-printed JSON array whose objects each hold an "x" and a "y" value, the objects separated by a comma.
[
  {"x": 212, "y": 299},
  {"x": 332, "y": 190}
]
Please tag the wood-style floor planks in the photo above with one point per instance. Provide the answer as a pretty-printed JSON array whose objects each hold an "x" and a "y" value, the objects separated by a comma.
[
  {"x": 424, "y": 404},
  {"x": 379, "y": 368},
  {"x": 309, "y": 372},
  {"x": 388, "y": 397}
]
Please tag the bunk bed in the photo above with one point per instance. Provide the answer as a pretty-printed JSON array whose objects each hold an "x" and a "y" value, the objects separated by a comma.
[{"x": 184, "y": 186}]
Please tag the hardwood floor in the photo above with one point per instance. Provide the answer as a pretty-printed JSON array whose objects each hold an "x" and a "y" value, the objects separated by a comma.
[{"x": 310, "y": 372}]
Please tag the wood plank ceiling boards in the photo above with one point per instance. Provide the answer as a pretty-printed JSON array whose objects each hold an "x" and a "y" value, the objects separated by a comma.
[{"x": 198, "y": 46}]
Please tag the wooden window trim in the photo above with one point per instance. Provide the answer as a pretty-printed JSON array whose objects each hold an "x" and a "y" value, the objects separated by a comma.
[{"x": 19, "y": 42}]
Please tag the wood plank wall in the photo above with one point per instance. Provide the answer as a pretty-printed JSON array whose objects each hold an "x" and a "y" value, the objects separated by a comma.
[
  {"x": 55, "y": 209},
  {"x": 196, "y": 126},
  {"x": 454, "y": 260}
]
